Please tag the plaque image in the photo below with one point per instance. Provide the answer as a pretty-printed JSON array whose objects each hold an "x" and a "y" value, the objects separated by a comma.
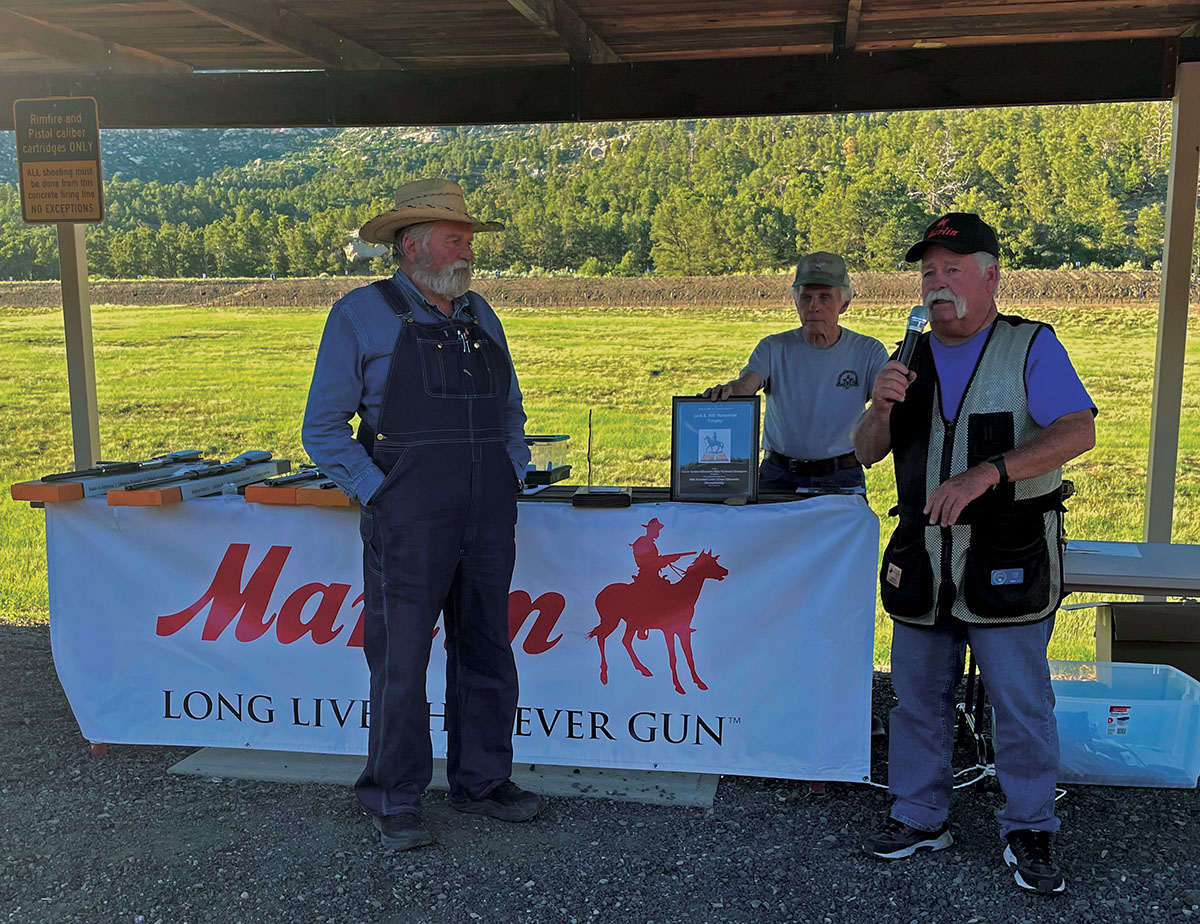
[{"x": 714, "y": 448}]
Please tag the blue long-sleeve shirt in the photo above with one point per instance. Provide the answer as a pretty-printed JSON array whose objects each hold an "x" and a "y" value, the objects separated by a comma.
[{"x": 350, "y": 376}]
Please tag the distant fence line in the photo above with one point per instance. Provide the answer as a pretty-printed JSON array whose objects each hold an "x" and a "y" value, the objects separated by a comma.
[{"x": 900, "y": 288}]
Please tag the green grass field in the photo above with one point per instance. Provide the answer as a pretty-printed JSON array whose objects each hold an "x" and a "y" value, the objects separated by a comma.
[{"x": 229, "y": 379}]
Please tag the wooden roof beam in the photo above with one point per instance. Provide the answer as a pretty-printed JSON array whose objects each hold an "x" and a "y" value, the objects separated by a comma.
[
  {"x": 47, "y": 40},
  {"x": 559, "y": 20},
  {"x": 266, "y": 21},
  {"x": 857, "y": 81},
  {"x": 853, "y": 16}
]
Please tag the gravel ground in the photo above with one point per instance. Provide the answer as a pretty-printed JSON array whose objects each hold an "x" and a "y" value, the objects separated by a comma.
[{"x": 119, "y": 839}]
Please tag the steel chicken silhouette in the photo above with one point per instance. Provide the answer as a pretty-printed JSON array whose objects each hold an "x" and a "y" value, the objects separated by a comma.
[{"x": 651, "y": 601}]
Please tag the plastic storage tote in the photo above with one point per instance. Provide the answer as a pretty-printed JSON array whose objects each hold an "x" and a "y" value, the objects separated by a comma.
[{"x": 1126, "y": 724}]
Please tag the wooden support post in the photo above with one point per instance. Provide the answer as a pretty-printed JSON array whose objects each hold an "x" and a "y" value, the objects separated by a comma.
[
  {"x": 1173, "y": 306},
  {"x": 77, "y": 325}
]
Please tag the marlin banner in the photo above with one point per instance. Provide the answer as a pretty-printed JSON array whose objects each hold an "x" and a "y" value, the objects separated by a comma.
[{"x": 688, "y": 637}]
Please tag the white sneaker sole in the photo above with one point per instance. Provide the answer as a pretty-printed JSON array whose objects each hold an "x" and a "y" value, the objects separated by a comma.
[
  {"x": 941, "y": 842},
  {"x": 1010, "y": 861}
]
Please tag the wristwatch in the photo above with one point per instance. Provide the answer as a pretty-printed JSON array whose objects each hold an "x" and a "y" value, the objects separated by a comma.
[{"x": 998, "y": 461}]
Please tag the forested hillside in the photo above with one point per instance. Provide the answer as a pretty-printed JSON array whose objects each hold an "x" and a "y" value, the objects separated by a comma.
[{"x": 1063, "y": 185}]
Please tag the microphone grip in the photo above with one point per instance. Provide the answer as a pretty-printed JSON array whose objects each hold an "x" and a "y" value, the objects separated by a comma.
[{"x": 907, "y": 346}]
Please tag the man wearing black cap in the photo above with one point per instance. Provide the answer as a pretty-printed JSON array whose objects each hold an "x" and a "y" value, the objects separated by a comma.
[
  {"x": 817, "y": 379},
  {"x": 980, "y": 425}
]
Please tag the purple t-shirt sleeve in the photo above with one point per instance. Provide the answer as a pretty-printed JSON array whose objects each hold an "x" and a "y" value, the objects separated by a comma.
[
  {"x": 1051, "y": 382},
  {"x": 1053, "y": 386}
]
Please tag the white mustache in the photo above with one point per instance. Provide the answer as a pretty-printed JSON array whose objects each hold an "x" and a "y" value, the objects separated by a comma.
[{"x": 960, "y": 307}]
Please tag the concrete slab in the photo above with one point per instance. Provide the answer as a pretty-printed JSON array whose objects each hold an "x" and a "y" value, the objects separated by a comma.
[
  {"x": 272, "y": 766},
  {"x": 656, "y": 787}
]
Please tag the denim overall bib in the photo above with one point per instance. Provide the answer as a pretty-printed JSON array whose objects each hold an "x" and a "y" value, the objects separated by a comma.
[{"x": 439, "y": 536}]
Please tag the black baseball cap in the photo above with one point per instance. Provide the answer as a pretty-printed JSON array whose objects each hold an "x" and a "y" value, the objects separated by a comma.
[{"x": 962, "y": 232}]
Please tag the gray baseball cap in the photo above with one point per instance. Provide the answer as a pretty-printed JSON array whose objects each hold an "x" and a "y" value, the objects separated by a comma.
[{"x": 822, "y": 269}]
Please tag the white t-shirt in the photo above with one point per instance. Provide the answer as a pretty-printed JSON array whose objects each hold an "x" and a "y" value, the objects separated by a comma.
[{"x": 814, "y": 396}]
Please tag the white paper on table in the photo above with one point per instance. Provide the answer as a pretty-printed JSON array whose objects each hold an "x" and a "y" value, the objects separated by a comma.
[{"x": 1113, "y": 549}]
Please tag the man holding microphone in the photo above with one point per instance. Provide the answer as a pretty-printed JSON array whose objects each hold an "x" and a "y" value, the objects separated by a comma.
[{"x": 980, "y": 424}]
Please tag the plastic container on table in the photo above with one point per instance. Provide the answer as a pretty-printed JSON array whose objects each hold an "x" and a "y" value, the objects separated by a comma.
[
  {"x": 1126, "y": 724},
  {"x": 547, "y": 452}
]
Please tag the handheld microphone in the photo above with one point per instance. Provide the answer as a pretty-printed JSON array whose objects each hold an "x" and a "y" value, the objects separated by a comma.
[{"x": 917, "y": 319}]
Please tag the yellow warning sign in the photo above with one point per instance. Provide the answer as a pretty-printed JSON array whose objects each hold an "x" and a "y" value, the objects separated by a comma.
[{"x": 58, "y": 155}]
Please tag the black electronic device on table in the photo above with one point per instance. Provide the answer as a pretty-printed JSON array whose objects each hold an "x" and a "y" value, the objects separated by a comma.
[
  {"x": 602, "y": 496},
  {"x": 537, "y": 476}
]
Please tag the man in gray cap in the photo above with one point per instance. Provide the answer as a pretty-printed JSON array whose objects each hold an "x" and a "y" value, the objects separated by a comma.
[
  {"x": 436, "y": 466},
  {"x": 817, "y": 379}
]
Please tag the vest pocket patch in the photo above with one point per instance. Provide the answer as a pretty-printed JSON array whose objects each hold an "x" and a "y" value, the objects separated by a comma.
[
  {"x": 988, "y": 435},
  {"x": 906, "y": 576},
  {"x": 1007, "y": 572}
]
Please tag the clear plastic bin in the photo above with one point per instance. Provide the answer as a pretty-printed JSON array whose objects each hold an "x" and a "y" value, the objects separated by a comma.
[
  {"x": 1126, "y": 724},
  {"x": 547, "y": 452}
]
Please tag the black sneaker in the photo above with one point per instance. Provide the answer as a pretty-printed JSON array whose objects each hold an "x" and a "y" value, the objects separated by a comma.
[
  {"x": 1031, "y": 859},
  {"x": 508, "y": 802},
  {"x": 401, "y": 832},
  {"x": 894, "y": 840}
]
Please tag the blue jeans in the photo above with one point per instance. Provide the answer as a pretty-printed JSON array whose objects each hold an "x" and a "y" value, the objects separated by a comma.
[{"x": 927, "y": 664}]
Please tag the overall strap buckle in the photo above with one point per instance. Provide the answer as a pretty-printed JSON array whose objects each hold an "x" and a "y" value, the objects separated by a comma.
[{"x": 387, "y": 289}]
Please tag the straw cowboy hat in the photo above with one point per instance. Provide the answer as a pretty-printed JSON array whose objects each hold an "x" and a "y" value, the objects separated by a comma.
[{"x": 421, "y": 201}]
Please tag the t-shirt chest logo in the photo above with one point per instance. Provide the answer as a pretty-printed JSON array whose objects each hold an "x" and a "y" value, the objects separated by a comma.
[{"x": 848, "y": 378}]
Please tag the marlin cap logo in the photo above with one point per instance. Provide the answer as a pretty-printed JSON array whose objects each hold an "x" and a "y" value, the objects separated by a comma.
[
  {"x": 942, "y": 228},
  {"x": 960, "y": 232}
]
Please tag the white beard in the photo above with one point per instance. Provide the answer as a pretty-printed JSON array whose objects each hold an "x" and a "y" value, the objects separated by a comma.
[
  {"x": 450, "y": 283},
  {"x": 960, "y": 307}
]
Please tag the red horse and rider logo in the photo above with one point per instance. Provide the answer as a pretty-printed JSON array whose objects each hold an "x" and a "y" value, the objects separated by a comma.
[{"x": 651, "y": 601}]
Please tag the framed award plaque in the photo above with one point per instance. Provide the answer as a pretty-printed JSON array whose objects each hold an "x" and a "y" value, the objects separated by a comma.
[{"x": 714, "y": 449}]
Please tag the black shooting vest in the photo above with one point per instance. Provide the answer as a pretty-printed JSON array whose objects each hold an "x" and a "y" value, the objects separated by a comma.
[{"x": 1001, "y": 563}]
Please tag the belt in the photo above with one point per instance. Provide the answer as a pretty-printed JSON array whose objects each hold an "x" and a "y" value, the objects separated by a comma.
[{"x": 814, "y": 466}]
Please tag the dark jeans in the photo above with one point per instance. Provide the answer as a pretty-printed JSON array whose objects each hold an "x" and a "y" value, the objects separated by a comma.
[
  {"x": 429, "y": 546},
  {"x": 774, "y": 477}
]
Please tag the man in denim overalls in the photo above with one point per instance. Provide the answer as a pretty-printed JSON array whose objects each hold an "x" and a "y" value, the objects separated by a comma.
[{"x": 436, "y": 466}]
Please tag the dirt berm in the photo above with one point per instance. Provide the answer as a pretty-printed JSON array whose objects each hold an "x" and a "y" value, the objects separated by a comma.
[{"x": 1018, "y": 286}]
